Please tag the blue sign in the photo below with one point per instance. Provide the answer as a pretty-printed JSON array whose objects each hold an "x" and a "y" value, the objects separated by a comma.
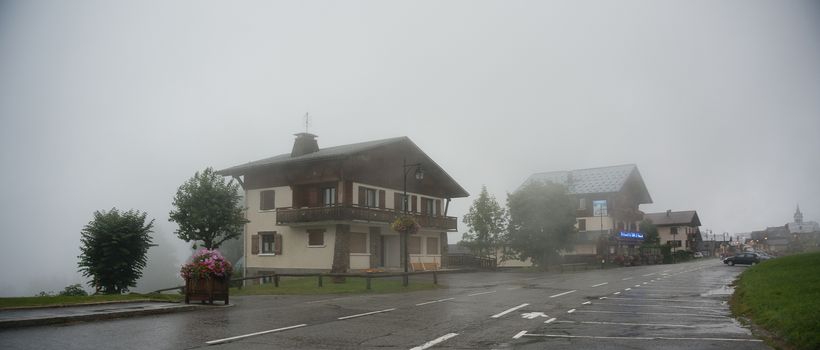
[{"x": 635, "y": 235}]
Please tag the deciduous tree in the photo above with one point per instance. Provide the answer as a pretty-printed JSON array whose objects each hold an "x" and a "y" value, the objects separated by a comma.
[
  {"x": 542, "y": 221},
  {"x": 650, "y": 232},
  {"x": 486, "y": 223},
  {"x": 114, "y": 248},
  {"x": 208, "y": 209}
]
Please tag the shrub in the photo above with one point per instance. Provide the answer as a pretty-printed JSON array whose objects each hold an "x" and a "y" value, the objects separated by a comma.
[{"x": 73, "y": 290}]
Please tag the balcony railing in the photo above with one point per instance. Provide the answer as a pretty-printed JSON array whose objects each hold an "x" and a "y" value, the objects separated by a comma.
[{"x": 291, "y": 216}]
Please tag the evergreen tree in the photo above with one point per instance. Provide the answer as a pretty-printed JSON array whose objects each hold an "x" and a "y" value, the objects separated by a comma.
[
  {"x": 486, "y": 222},
  {"x": 542, "y": 221},
  {"x": 650, "y": 232},
  {"x": 114, "y": 248},
  {"x": 208, "y": 209}
]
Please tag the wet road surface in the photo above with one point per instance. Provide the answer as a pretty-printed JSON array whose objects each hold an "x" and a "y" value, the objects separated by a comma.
[{"x": 680, "y": 306}]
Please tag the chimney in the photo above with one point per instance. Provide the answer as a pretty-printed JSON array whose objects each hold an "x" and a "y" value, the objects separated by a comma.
[
  {"x": 668, "y": 212},
  {"x": 304, "y": 144}
]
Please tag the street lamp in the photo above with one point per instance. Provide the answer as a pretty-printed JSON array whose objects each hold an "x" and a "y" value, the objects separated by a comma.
[{"x": 419, "y": 175}]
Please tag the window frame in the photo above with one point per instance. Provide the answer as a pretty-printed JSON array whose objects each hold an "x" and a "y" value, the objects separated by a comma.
[
  {"x": 427, "y": 245},
  {"x": 262, "y": 236},
  {"x": 411, "y": 238},
  {"x": 366, "y": 244},
  {"x": 582, "y": 228},
  {"x": 333, "y": 196},
  {"x": 367, "y": 202}
]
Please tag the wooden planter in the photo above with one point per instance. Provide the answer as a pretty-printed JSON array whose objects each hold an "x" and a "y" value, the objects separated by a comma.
[{"x": 207, "y": 289}]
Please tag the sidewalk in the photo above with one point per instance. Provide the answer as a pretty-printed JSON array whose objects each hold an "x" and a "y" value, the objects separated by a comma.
[{"x": 89, "y": 312}]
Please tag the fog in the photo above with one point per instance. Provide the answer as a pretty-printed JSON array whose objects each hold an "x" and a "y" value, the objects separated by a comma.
[{"x": 115, "y": 104}]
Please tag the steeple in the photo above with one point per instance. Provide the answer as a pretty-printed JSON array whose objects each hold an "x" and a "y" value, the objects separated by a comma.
[{"x": 798, "y": 216}]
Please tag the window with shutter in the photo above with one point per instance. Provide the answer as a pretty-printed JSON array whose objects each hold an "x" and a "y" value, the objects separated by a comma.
[
  {"x": 382, "y": 196},
  {"x": 316, "y": 238},
  {"x": 432, "y": 245},
  {"x": 358, "y": 243},
  {"x": 277, "y": 246},
  {"x": 267, "y": 240},
  {"x": 254, "y": 244},
  {"x": 267, "y": 200},
  {"x": 582, "y": 225},
  {"x": 414, "y": 204}
]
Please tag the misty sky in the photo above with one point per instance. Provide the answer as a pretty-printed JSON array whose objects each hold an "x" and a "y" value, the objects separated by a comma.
[{"x": 115, "y": 103}]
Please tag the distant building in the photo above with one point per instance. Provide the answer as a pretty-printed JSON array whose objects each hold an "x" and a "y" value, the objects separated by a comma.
[
  {"x": 800, "y": 226},
  {"x": 607, "y": 201},
  {"x": 680, "y": 229}
]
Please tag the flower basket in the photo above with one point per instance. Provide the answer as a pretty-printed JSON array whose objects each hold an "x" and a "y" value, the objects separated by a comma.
[
  {"x": 207, "y": 277},
  {"x": 405, "y": 224}
]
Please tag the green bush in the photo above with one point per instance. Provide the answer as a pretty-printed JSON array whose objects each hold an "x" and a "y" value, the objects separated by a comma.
[{"x": 73, "y": 290}]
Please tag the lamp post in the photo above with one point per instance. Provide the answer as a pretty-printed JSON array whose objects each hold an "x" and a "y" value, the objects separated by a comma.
[{"x": 419, "y": 175}]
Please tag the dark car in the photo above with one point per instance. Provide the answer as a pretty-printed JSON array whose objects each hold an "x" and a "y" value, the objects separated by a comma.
[{"x": 743, "y": 259}]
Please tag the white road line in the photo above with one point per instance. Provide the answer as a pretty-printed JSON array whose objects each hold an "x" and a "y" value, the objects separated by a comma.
[
  {"x": 225, "y": 340},
  {"x": 649, "y": 313},
  {"x": 645, "y": 283},
  {"x": 513, "y": 288},
  {"x": 640, "y": 338},
  {"x": 435, "y": 341},
  {"x": 616, "y": 293},
  {"x": 570, "y": 311},
  {"x": 564, "y": 293},
  {"x": 519, "y": 334},
  {"x": 550, "y": 320},
  {"x": 599, "y": 284},
  {"x": 434, "y": 301},
  {"x": 322, "y": 301},
  {"x": 631, "y": 324},
  {"x": 602, "y": 298},
  {"x": 529, "y": 279},
  {"x": 508, "y": 311},
  {"x": 366, "y": 313},
  {"x": 474, "y": 294},
  {"x": 586, "y": 303},
  {"x": 664, "y": 306},
  {"x": 628, "y": 289},
  {"x": 625, "y": 279},
  {"x": 649, "y": 274}
]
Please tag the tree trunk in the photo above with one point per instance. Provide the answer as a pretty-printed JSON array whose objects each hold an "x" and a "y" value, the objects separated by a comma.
[{"x": 341, "y": 252}]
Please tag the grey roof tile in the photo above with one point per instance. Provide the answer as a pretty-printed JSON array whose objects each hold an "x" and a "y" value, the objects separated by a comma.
[{"x": 594, "y": 180}]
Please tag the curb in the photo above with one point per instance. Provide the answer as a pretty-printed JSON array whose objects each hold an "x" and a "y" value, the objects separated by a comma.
[{"x": 28, "y": 322}]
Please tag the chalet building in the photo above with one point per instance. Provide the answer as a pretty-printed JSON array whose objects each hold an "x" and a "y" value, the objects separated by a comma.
[
  {"x": 313, "y": 209},
  {"x": 680, "y": 229},
  {"x": 607, "y": 202}
]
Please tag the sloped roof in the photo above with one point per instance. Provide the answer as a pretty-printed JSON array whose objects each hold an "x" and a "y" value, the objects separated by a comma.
[
  {"x": 324, "y": 153},
  {"x": 609, "y": 179},
  {"x": 338, "y": 152},
  {"x": 687, "y": 217}
]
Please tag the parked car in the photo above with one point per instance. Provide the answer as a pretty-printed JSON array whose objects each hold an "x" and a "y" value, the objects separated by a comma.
[
  {"x": 743, "y": 259},
  {"x": 697, "y": 255}
]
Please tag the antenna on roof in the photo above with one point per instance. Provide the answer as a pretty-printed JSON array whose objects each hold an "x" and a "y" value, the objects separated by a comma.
[{"x": 307, "y": 122}]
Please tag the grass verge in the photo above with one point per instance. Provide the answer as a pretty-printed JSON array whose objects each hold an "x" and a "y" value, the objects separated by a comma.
[
  {"x": 309, "y": 286},
  {"x": 57, "y": 301},
  {"x": 782, "y": 296}
]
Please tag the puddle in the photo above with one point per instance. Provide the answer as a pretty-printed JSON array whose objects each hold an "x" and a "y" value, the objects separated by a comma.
[{"x": 722, "y": 291}]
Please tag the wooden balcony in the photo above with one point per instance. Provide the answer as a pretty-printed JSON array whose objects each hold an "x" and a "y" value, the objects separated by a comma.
[{"x": 294, "y": 216}]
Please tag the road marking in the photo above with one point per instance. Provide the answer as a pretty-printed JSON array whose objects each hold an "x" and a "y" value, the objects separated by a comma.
[
  {"x": 560, "y": 294},
  {"x": 533, "y": 315},
  {"x": 628, "y": 289},
  {"x": 630, "y": 324},
  {"x": 664, "y": 306},
  {"x": 474, "y": 294},
  {"x": 519, "y": 334},
  {"x": 616, "y": 293},
  {"x": 649, "y": 313},
  {"x": 625, "y": 279},
  {"x": 434, "y": 301},
  {"x": 513, "y": 288},
  {"x": 586, "y": 303},
  {"x": 435, "y": 341},
  {"x": 225, "y": 340},
  {"x": 508, "y": 311},
  {"x": 645, "y": 282},
  {"x": 550, "y": 320},
  {"x": 323, "y": 300},
  {"x": 649, "y": 274},
  {"x": 639, "y": 338},
  {"x": 529, "y": 279},
  {"x": 600, "y": 284},
  {"x": 602, "y": 298},
  {"x": 637, "y": 285},
  {"x": 570, "y": 311},
  {"x": 366, "y": 313}
]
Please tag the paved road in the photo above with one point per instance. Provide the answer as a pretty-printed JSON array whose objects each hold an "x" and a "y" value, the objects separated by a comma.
[{"x": 679, "y": 306}]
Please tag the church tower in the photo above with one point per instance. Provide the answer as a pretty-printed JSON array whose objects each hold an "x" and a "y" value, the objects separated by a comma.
[{"x": 798, "y": 216}]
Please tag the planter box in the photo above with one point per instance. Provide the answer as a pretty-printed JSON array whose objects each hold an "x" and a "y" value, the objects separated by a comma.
[{"x": 207, "y": 289}]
